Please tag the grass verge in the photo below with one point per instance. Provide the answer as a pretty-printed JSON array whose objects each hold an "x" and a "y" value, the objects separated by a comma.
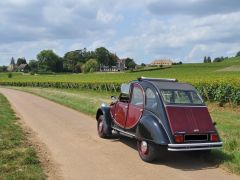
[
  {"x": 86, "y": 101},
  {"x": 228, "y": 125},
  {"x": 227, "y": 119},
  {"x": 17, "y": 159}
]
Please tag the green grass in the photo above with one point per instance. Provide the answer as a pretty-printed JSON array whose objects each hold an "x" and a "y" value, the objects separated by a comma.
[
  {"x": 228, "y": 120},
  {"x": 17, "y": 159},
  {"x": 228, "y": 124},
  {"x": 198, "y": 72}
]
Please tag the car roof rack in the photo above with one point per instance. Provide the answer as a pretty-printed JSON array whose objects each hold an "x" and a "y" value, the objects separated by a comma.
[{"x": 157, "y": 79}]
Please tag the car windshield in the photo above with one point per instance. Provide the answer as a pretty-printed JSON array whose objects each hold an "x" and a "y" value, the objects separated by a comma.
[{"x": 181, "y": 97}]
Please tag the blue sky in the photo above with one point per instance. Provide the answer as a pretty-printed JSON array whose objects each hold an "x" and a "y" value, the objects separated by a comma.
[{"x": 142, "y": 29}]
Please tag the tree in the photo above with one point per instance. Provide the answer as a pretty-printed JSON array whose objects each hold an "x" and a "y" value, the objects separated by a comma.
[
  {"x": 205, "y": 59},
  {"x": 102, "y": 55},
  {"x": 130, "y": 63},
  {"x": 72, "y": 58},
  {"x": 49, "y": 61},
  {"x": 209, "y": 59},
  {"x": 218, "y": 59},
  {"x": 90, "y": 66},
  {"x": 33, "y": 64},
  {"x": 21, "y": 61},
  {"x": 143, "y": 64},
  {"x": 238, "y": 54},
  {"x": 113, "y": 58},
  {"x": 78, "y": 67},
  {"x": 3, "y": 68}
]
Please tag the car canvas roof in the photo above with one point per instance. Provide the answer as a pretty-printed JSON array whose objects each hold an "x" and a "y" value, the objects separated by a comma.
[{"x": 170, "y": 84}]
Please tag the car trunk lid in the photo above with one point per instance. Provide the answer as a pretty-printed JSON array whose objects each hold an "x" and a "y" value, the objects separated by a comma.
[{"x": 189, "y": 119}]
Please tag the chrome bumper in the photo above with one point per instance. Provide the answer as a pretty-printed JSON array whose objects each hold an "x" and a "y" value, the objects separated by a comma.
[{"x": 194, "y": 146}]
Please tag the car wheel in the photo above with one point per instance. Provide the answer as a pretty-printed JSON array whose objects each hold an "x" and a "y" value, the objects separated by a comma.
[
  {"x": 147, "y": 151},
  {"x": 103, "y": 131}
]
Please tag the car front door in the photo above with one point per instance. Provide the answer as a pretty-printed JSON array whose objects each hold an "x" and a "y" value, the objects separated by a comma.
[
  {"x": 135, "y": 107},
  {"x": 121, "y": 113}
]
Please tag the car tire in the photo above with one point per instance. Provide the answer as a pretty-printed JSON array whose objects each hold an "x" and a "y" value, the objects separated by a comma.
[
  {"x": 103, "y": 130},
  {"x": 147, "y": 150}
]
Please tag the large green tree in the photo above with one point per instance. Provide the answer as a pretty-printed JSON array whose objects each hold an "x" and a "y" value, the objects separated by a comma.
[
  {"x": 130, "y": 63},
  {"x": 102, "y": 55},
  {"x": 33, "y": 64},
  {"x": 73, "y": 59},
  {"x": 49, "y": 61},
  {"x": 90, "y": 66},
  {"x": 21, "y": 61}
]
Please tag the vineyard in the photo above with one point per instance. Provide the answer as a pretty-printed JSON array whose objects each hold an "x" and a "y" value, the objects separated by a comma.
[{"x": 218, "y": 82}]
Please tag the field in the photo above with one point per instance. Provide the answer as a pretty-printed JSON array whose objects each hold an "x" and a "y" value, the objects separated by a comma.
[
  {"x": 17, "y": 159},
  {"x": 227, "y": 119},
  {"x": 216, "y": 81},
  {"x": 193, "y": 73}
]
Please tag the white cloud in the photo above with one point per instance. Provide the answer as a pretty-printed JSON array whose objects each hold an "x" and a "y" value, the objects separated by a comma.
[
  {"x": 107, "y": 17},
  {"x": 144, "y": 30}
]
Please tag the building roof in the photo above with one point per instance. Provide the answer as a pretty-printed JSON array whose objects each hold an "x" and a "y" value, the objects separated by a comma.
[{"x": 22, "y": 66}]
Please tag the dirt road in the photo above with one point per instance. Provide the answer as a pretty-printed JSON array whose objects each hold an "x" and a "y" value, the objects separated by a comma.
[{"x": 78, "y": 153}]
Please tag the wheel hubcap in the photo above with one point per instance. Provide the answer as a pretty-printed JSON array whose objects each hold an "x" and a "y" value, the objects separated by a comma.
[
  {"x": 144, "y": 147},
  {"x": 100, "y": 126}
]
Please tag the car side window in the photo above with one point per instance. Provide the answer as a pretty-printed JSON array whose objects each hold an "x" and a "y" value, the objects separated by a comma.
[
  {"x": 151, "y": 100},
  {"x": 137, "y": 96}
]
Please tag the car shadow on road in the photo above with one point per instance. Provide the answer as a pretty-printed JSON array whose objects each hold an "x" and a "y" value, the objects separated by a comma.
[{"x": 186, "y": 161}]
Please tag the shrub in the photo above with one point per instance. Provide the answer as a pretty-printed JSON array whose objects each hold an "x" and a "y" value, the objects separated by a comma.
[{"x": 10, "y": 75}]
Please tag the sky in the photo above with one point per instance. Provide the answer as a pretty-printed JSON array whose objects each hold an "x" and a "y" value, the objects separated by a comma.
[{"x": 141, "y": 29}]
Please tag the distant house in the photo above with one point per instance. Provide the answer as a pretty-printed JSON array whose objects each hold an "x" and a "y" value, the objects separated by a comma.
[
  {"x": 23, "y": 68},
  {"x": 120, "y": 66},
  {"x": 163, "y": 62},
  {"x": 12, "y": 65}
]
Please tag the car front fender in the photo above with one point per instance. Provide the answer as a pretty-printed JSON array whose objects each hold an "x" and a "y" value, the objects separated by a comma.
[{"x": 105, "y": 111}]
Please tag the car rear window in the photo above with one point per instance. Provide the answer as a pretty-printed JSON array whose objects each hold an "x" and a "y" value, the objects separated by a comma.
[{"x": 181, "y": 97}]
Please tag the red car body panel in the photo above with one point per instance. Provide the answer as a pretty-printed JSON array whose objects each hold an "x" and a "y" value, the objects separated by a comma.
[
  {"x": 189, "y": 119},
  {"x": 134, "y": 115},
  {"x": 121, "y": 110}
]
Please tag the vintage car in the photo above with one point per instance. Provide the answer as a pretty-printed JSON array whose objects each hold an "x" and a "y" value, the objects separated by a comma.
[{"x": 159, "y": 112}]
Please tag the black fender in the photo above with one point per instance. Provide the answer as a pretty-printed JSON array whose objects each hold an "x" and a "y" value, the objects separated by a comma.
[
  {"x": 105, "y": 111},
  {"x": 150, "y": 128}
]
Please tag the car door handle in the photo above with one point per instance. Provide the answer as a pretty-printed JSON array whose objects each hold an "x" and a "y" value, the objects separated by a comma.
[{"x": 141, "y": 110}]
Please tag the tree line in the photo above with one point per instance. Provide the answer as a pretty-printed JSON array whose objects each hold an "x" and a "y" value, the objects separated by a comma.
[
  {"x": 218, "y": 59},
  {"x": 76, "y": 61}
]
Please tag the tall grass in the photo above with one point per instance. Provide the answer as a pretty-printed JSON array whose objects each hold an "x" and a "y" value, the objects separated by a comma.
[{"x": 17, "y": 159}]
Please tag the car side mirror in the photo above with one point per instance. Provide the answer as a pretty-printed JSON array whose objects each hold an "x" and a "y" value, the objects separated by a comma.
[
  {"x": 114, "y": 99},
  {"x": 214, "y": 123}
]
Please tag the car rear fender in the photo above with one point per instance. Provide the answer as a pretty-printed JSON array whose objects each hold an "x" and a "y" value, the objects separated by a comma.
[
  {"x": 105, "y": 111},
  {"x": 149, "y": 128}
]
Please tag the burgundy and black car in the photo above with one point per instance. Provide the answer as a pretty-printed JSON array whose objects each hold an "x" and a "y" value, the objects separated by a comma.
[{"x": 159, "y": 113}]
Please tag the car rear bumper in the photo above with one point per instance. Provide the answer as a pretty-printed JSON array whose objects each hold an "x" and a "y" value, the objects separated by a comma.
[{"x": 194, "y": 146}]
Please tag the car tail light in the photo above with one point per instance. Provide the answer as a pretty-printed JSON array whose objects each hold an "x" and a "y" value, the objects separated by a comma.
[
  {"x": 214, "y": 137},
  {"x": 179, "y": 138}
]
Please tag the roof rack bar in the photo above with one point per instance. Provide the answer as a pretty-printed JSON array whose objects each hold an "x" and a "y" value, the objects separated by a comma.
[{"x": 157, "y": 79}]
